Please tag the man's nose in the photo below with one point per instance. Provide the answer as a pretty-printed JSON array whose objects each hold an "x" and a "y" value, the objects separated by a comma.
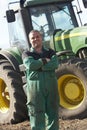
[{"x": 35, "y": 38}]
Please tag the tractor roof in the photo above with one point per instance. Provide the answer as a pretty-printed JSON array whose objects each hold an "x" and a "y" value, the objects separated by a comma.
[{"x": 39, "y": 2}]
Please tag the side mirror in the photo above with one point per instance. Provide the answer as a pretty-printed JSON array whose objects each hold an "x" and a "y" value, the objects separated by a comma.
[
  {"x": 85, "y": 3},
  {"x": 10, "y": 16}
]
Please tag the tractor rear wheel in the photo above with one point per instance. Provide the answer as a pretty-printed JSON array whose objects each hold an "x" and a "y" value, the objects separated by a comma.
[
  {"x": 12, "y": 98},
  {"x": 72, "y": 86}
]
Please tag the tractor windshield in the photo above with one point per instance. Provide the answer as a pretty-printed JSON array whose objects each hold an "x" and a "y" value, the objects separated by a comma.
[{"x": 50, "y": 17}]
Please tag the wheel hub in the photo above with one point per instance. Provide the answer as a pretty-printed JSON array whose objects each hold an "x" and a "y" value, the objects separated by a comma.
[
  {"x": 4, "y": 97},
  {"x": 71, "y": 91}
]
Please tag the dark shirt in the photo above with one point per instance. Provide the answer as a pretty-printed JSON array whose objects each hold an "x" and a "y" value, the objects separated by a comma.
[{"x": 46, "y": 53}]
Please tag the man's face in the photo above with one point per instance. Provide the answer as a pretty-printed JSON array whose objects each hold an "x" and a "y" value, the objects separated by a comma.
[{"x": 35, "y": 39}]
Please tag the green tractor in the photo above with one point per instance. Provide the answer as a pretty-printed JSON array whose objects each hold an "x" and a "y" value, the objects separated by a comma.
[{"x": 63, "y": 31}]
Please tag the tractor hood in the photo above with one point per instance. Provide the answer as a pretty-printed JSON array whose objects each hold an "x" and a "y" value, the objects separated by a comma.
[
  {"x": 73, "y": 39},
  {"x": 39, "y": 2}
]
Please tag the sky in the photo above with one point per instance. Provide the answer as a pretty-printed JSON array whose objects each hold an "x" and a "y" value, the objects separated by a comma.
[
  {"x": 4, "y": 40},
  {"x": 4, "y": 35}
]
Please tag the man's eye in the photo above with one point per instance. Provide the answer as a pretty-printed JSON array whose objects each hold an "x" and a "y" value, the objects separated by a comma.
[{"x": 33, "y": 37}]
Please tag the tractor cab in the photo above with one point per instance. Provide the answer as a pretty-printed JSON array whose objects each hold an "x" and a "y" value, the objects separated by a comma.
[{"x": 47, "y": 16}]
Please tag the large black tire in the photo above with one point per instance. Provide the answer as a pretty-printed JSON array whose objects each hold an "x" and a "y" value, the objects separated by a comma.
[
  {"x": 72, "y": 86},
  {"x": 12, "y": 98}
]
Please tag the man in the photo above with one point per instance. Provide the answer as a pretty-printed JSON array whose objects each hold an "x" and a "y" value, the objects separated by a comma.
[{"x": 42, "y": 89}]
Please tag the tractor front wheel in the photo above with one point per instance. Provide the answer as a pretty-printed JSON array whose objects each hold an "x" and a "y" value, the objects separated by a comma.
[{"x": 72, "y": 86}]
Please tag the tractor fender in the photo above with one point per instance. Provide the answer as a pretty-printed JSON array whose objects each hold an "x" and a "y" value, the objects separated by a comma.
[
  {"x": 79, "y": 48},
  {"x": 13, "y": 61}
]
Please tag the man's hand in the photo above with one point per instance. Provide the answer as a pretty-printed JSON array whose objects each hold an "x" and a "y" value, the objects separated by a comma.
[{"x": 47, "y": 59}]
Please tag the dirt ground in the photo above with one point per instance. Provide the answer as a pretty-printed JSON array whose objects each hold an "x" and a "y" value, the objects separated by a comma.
[{"x": 64, "y": 125}]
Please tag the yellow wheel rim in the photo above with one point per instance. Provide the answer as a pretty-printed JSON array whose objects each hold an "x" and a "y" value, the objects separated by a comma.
[
  {"x": 71, "y": 91},
  {"x": 4, "y": 97}
]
